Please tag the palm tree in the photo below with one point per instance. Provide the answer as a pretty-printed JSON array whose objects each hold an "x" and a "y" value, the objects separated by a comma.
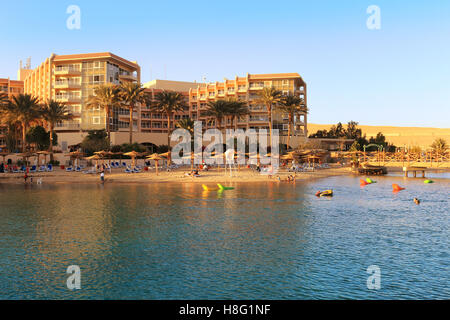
[
  {"x": 169, "y": 102},
  {"x": 186, "y": 124},
  {"x": 23, "y": 109},
  {"x": 237, "y": 109},
  {"x": 131, "y": 94},
  {"x": 218, "y": 109},
  {"x": 53, "y": 112},
  {"x": 271, "y": 98},
  {"x": 9, "y": 120},
  {"x": 291, "y": 105},
  {"x": 440, "y": 146},
  {"x": 106, "y": 96}
]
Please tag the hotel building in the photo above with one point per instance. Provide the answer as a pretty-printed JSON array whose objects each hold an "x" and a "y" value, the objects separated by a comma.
[
  {"x": 247, "y": 89},
  {"x": 72, "y": 78}
]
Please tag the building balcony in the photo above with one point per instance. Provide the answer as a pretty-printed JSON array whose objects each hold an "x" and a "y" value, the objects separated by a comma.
[
  {"x": 127, "y": 115},
  {"x": 67, "y": 85},
  {"x": 68, "y": 99},
  {"x": 255, "y": 119},
  {"x": 67, "y": 71}
]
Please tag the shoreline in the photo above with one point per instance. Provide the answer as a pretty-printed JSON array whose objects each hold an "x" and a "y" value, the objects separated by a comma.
[
  {"x": 212, "y": 176},
  {"x": 177, "y": 176}
]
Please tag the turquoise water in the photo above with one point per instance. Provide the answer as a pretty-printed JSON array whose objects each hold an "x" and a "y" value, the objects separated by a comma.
[{"x": 259, "y": 241}]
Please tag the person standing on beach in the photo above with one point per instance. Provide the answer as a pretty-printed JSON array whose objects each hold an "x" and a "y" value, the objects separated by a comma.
[{"x": 102, "y": 177}]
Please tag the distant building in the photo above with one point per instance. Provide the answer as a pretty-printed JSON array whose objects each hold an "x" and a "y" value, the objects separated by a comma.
[{"x": 247, "y": 89}]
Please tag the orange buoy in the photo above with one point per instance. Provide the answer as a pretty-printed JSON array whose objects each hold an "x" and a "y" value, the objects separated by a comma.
[{"x": 396, "y": 187}]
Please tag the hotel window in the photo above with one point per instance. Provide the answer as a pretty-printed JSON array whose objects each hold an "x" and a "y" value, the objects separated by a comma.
[
  {"x": 241, "y": 87},
  {"x": 95, "y": 120},
  {"x": 212, "y": 94},
  {"x": 98, "y": 65},
  {"x": 231, "y": 89}
]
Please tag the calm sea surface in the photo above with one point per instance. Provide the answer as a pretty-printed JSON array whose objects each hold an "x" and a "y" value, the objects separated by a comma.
[{"x": 259, "y": 241}]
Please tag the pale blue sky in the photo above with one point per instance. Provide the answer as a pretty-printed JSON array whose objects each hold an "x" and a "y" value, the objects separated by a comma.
[{"x": 399, "y": 75}]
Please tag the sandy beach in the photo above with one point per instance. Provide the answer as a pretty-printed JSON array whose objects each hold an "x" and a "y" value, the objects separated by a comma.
[{"x": 211, "y": 177}]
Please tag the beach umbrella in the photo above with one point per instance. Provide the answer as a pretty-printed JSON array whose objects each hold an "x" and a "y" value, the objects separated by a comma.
[
  {"x": 133, "y": 154},
  {"x": 313, "y": 158},
  {"x": 26, "y": 155},
  {"x": 94, "y": 157},
  {"x": 288, "y": 157},
  {"x": 155, "y": 157},
  {"x": 44, "y": 153},
  {"x": 102, "y": 154},
  {"x": 76, "y": 155}
]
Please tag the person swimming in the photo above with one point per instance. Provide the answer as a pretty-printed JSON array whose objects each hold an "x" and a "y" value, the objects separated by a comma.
[{"x": 416, "y": 201}]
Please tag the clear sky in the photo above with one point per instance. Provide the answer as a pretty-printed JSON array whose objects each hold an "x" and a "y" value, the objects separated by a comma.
[{"x": 397, "y": 75}]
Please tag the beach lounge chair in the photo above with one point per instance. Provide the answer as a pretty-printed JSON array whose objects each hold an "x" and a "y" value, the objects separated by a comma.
[
  {"x": 33, "y": 169},
  {"x": 15, "y": 170},
  {"x": 124, "y": 165},
  {"x": 137, "y": 170},
  {"x": 69, "y": 169},
  {"x": 49, "y": 168},
  {"x": 42, "y": 169},
  {"x": 78, "y": 169},
  {"x": 128, "y": 170}
]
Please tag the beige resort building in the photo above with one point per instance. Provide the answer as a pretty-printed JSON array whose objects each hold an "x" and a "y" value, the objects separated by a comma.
[{"x": 72, "y": 78}]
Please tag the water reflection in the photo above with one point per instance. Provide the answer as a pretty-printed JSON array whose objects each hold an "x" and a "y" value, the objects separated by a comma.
[{"x": 269, "y": 241}]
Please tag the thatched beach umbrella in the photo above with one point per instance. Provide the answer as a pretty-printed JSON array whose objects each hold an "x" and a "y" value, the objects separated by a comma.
[
  {"x": 26, "y": 155},
  {"x": 102, "y": 154},
  {"x": 76, "y": 155},
  {"x": 155, "y": 157},
  {"x": 287, "y": 157},
  {"x": 44, "y": 153},
  {"x": 94, "y": 157},
  {"x": 313, "y": 158},
  {"x": 133, "y": 154}
]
